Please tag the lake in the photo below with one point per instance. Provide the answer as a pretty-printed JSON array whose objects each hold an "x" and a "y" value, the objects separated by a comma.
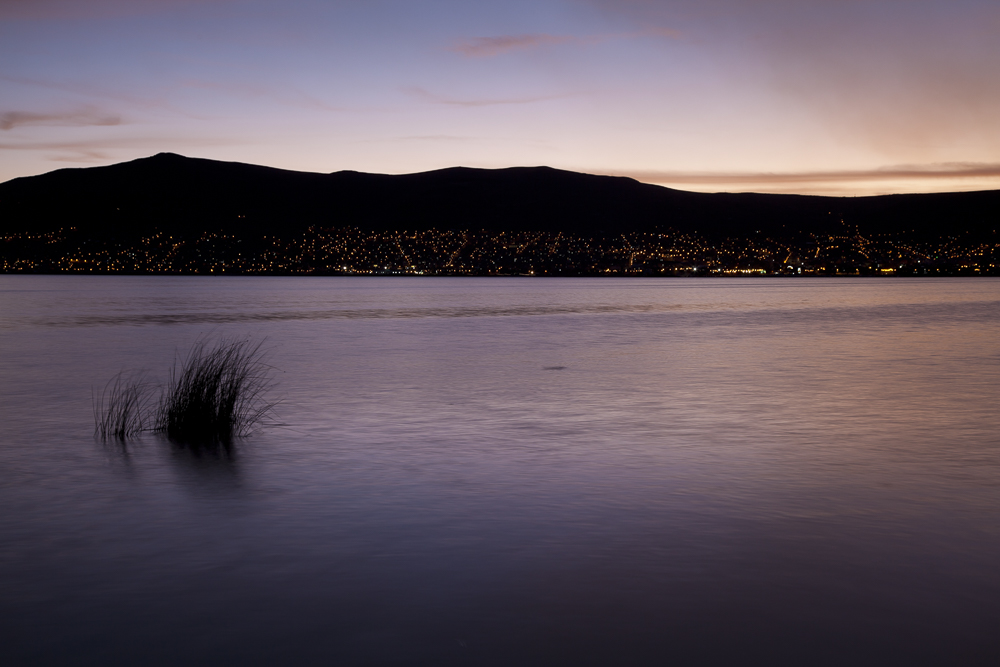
[{"x": 504, "y": 471}]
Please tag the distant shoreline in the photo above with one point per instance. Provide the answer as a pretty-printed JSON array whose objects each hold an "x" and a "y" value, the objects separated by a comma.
[
  {"x": 172, "y": 215},
  {"x": 705, "y": 276}
]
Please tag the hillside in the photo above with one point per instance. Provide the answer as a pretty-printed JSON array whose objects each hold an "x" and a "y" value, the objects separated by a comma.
[{"x": 180, "y": 195}]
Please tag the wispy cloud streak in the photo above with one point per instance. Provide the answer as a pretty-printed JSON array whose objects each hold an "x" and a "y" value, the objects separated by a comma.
[
  {"x": 488, "y": 47},
  {"x": 109, "y": 149},
  {"x": 476, "y": 102},
  {"x": 933, "y": 177},
  {"x": 61, "y": 10},
  {"x": 79, "y": 118}
]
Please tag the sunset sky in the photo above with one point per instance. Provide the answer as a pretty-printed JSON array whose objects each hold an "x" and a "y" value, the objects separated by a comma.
[{"x": 813, "y": 96}]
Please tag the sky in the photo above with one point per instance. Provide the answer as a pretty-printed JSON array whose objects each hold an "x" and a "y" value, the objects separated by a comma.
[{"x": 843, "y": 97}]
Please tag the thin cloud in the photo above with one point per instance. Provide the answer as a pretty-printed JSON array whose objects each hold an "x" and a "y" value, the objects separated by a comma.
[
  {"x": 488, "y": 47},
  {"x": 932, "y": 176},
  {"x": 476, "y": 102},
  {"x": 83, "y": 156},
  {"x": 112, "y": 149},
  {"x": 280, "y": 94},
  {"x": 61, "y": 10},
  {"x": 78, "y": 118},
  {"x": 156, "y": 144}
]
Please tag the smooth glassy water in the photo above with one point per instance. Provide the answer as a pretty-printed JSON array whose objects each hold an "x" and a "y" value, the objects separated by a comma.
[{"x": 512, "y": 471}]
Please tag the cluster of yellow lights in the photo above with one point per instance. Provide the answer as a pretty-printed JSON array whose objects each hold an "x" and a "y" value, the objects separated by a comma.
[{"x": 354, "y": 251}]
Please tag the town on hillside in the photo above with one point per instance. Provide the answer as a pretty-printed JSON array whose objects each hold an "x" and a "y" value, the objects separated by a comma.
[{"x": 353, "y": 251}]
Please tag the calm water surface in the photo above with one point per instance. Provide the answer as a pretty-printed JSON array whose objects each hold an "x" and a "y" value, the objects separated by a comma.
[{"x": 512, "y": 471}]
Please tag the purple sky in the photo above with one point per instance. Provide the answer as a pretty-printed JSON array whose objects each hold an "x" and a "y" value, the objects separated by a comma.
[{"x": 812, "y": 96}]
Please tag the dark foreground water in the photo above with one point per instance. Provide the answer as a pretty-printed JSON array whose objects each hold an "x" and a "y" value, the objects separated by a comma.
[{"x": 512, "y": 472}]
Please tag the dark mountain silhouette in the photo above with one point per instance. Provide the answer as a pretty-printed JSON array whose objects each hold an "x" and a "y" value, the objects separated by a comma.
[{"x": 181, "y": 195}]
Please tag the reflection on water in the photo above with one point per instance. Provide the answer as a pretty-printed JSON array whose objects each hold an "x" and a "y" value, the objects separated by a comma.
[
  {"x": 201, "y": 468},
  {"x": 119, "y": 455},
  {"x": 213, "y": 467},
  {"x": 513, "y": 472}
]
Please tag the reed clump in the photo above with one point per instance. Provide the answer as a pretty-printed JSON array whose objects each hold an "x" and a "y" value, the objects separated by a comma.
[
  {"x": 216, "y": 394},
  {"x": 123, "y": 409}
]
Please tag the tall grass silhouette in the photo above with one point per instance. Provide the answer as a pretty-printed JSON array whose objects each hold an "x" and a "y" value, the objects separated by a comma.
[
  {"x": 123, "y": 409},
  {"x": 216, "y": 394}
]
